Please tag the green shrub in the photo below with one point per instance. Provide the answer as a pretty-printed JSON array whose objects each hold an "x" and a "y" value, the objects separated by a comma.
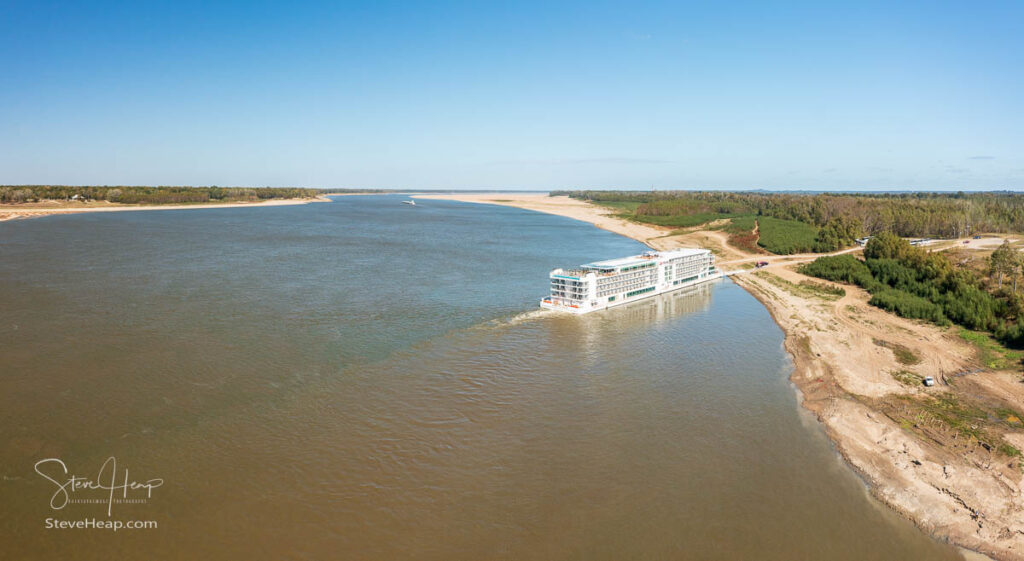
[
  {"x": 914, "y": 283},
  {"x": 839, "y": 268},
  {"x": 907, "y": 305},
  {"x": 1011, "y": 335}
]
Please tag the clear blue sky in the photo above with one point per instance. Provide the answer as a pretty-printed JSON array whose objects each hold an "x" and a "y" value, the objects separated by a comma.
[{"x": 821, "y": 95}]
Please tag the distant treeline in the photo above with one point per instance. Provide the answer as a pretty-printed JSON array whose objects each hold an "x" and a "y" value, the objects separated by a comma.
[
  {"x": 149, "y": 195},
  {"x": 840, "y": 216},
  {"x": 915, "y": 283}
]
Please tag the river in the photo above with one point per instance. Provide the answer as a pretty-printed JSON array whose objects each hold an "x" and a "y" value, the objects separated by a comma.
[{"x": 364, "y": 379}]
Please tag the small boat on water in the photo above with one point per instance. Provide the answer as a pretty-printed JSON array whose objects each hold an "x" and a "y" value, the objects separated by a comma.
[{"x": 409, "y": 202}]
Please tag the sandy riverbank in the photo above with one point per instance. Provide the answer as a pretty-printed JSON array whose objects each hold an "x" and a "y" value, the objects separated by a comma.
[
  {"x": 847, "y": 373},
  {"x": 562, "y": 206},
  {"x": 48, "y": 208}
]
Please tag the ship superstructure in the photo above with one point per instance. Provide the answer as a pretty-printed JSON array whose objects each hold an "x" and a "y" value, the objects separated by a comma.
[{"x": 603, "y": 284}]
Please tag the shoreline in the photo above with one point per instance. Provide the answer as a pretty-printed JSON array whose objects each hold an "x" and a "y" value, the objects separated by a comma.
[
  {"x": 843, "y": 375},
  {"x": 560, "y": 206},
  {"x": 816, "y": 401},
  {"x": 20, "y": 212}
]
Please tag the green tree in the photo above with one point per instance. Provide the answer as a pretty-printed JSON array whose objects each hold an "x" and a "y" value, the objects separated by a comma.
[
  {"x": 887, "y": 245},
  {"x": 839, "y": 232},
  {"x": 1003, "y": 261},
  {"x": 1016, "y": 264},
  {"x": 23, "y": 196}
]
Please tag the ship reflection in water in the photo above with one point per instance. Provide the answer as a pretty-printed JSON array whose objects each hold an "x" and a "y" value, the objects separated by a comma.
[
  {"x": 590, "y": 331},
  {"x": 664, "y": 307}
]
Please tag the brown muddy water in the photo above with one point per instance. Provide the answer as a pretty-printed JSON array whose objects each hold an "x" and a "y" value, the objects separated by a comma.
[{"x": 367, "y": 380}]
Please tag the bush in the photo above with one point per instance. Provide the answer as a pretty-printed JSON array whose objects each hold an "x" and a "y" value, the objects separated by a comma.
[
  {"x": 971, "y": 307},
  {"x": 1011, "y": 335},
  {"x": 908, "y": 305},
  {"x": 917, "y": 284},
  {"x": 839, "y": 268},
  {"x": 887, "y": 245}
]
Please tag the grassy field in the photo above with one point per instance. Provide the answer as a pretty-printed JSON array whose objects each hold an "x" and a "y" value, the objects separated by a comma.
[
  {"x": 777, "y": 236},
  {"x": 992, "y": 354},
  {"x": 784, "y": 237},
  {"x": 741, "y": 225},
  {"x": 682, "y": 220},
  {"x": 741, "y": 233}
]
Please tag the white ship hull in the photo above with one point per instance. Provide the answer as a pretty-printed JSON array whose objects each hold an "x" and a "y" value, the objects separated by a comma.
[
  {"x": 586, "y": 308},
  {"x": 611, "y": 283}
]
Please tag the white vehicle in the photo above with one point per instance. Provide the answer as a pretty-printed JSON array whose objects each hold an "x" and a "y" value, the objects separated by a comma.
[{"x": 604, "y": 284}]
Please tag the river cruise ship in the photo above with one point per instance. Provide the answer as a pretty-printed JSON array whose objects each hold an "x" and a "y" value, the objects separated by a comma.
[{"x": 604, "y": 284}]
